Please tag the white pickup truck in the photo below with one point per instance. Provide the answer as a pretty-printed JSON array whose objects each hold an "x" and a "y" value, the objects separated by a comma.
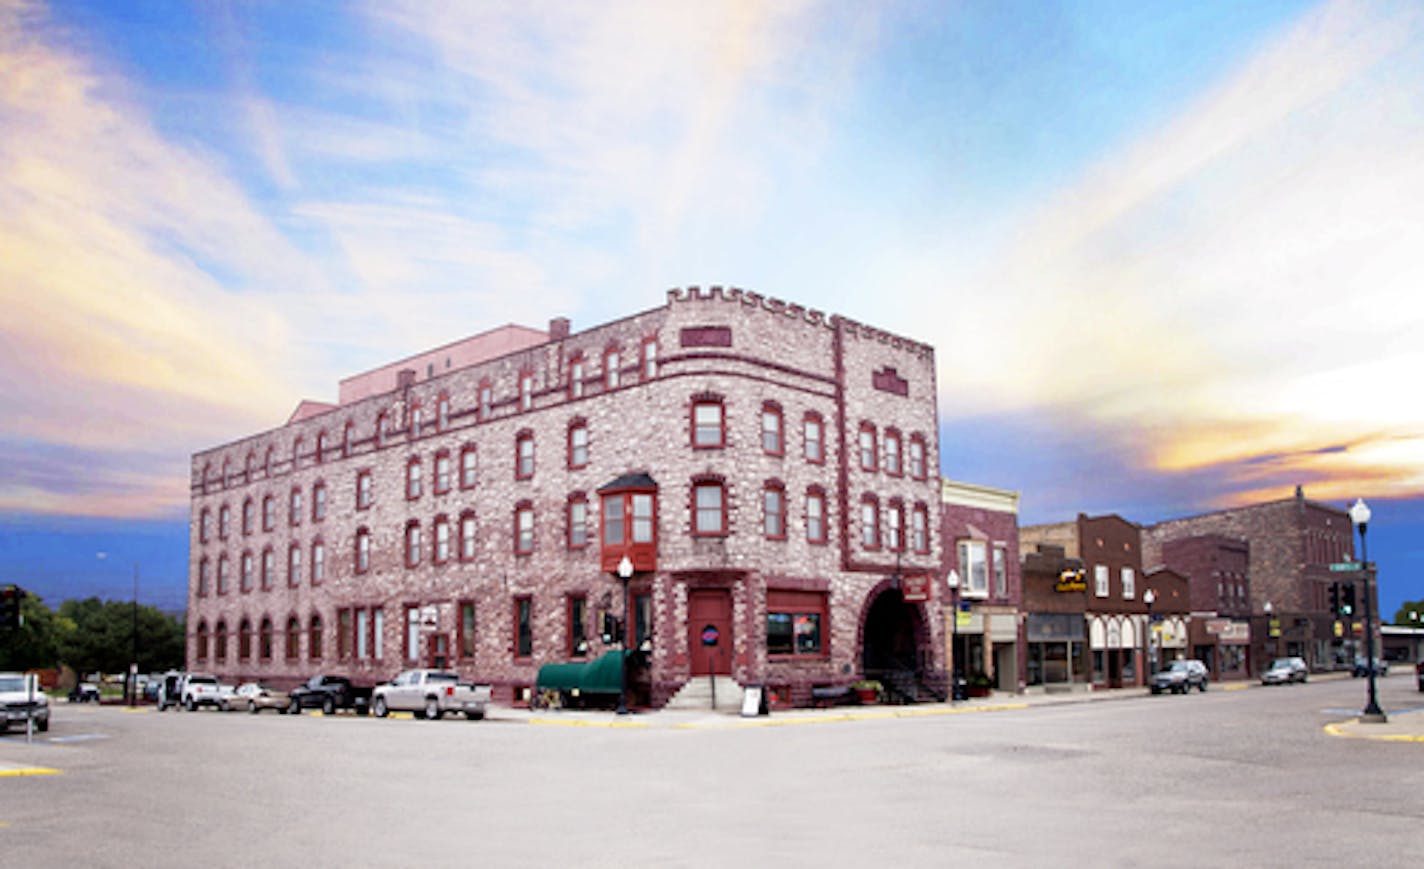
[
  {"x": 430, "y": 694},
  {"x": 21, "y": 701}
]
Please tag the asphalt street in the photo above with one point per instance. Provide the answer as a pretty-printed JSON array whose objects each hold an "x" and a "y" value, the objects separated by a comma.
[{"x": 1244, "y": 777}]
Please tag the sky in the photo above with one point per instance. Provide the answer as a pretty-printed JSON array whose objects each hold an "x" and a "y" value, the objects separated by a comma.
[{"x": 1167, "y": 253}]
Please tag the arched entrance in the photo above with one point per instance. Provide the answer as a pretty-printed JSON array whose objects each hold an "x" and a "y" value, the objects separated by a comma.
[{"x": 896, "y": 649}]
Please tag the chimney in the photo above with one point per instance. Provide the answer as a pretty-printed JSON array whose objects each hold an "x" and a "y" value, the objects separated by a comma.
[
  {"x": 405, "y": 378},
  {"x": 558, "y": 328}
]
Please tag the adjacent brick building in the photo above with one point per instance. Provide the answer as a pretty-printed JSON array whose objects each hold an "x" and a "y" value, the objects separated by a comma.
[
  {"x": 981, "y": 546},
  {"x": 1291, "y": 545},
  {"x": 770, "y": 471}
]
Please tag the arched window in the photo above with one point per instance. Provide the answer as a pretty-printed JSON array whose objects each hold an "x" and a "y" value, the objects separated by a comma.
[
  {"x": 201, "y": 652},
  {"x": 314, "y": 638},
  {"x": 294, "y": 638},
  {"x": 244, "y": 639},
  {"x": 220, "y": 642},
  {"x": 264, "y": 639}
]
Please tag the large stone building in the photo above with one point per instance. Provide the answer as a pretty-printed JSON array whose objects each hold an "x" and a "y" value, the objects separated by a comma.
[
  {"x": 770, "y": 472},
  {"x": 1291, "y": 544}
]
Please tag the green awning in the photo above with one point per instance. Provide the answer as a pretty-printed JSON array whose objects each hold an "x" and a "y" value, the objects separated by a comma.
[{"x": 599, "y": 676}]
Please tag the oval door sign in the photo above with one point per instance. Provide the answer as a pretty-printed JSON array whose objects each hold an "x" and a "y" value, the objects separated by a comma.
[{"x": 710, "y": 635}]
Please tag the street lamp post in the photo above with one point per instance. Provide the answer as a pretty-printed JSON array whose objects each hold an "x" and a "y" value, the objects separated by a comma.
[
  {"x": 625, "y": 574},
  {"x": 1360, "y": 515},
  {"x": 953, "y": 580},
  {"x": 1271, "y": 652},
  {"x": 1149, "y": 597}
]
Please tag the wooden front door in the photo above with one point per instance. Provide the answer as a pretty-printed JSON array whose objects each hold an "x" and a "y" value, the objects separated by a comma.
[{"x": 709, "y": 631}]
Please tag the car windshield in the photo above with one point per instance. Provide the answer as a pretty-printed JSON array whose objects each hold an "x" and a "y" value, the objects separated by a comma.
[
  {"x": 1280, "y": 664},
  {"x": 202, "y": 680},
  {"x": 12, "y": 683},
  {"x": 1179, "y": 666}
]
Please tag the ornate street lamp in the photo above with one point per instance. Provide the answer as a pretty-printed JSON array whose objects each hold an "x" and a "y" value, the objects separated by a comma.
[
  {"x": 955, "y": 693},
  {"x": 625, "y": 574},
  {"x": 1360, "y": 515},
  {"x": 1149, "y": 597}
]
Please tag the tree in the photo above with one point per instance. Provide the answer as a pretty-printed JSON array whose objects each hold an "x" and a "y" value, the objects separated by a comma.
[
  {"x": 34, "y": 645},
  {"x": 1410, "y": 615},
  {"x": 102, "y": 637}
]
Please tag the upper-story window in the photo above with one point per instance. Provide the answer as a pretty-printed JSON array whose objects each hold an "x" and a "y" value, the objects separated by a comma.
[
  {"x": 467, "y": 536},
  {"x": 222, "y": 573},
  {"x": 294, "y": 507},
  {"x": 318, "y": 502},
  {"x": 576, "y": 375},
  {"x": 612, "y": 361},
  {"x": 204, "y": 576},
  {"x": 578, "y": 444},
  {"x": 1001, "y": 571},
  {"x": 1129, "y": 583},
  {"x": 294, "y": 565},
  {"x": 412, "y": 478},
  {"x": 249, "y": 511},
  {"x": 892, "y": 452},
  {"x": 577, "y": 521},
  {"x": 815, "y": 515},
  {"x": 895, "y": 526},
  {"x": 296, "y": 453},
  {"x": 772, "y": 436},
  {"x": 269, "y": 567},
  {"x": 346, "y": 434},
  {"x": 417, "y": 419},
  {"x": 246, "y": 572},
  {"x": 870, "y": 522},
  {"x": 649, "y": 365},
  {"x": 1100, "y": 580},
  {"x": 708, "y": 425},
  {"x": 269, "y": 512},
  {"x": 486, "y": 401},
  {"x": 920, "y": 528},
  {"x": 709, "y": 505},
  {"x": 363, "y": 549},
  {"x": 628, "y": 510},
  {"x": 468, "y": 466},
  {"x": 321, "y": 446},
  {"x": 526, "y": 390},
  {"x": 363, "y": 490},
  {"x": 442, "y": 413},
  {"x": 524, "y": 455},
  {"x": 318, "y": 562},
  {"x": 917, "y": 457},
  {"x": 867, "y": 447},
  {"x": 773, "y": 503},
  {"x": 203, "y": 518},
  {"x": 973, "y": 563},
  {"x": 412, "y": 543},
  {"x": 813, "y": 438},
  {"x": 523, "y": 528},
  {"x": 224, "y": 521},
  {"x": 381, "y": 428},
  {"x": 441, "y": 529},
  {"x": 442, "y": 472}
]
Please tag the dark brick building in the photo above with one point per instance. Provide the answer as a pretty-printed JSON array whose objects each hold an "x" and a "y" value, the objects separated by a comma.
[
  {"x": 770, "y": 471},
  {"x": 1217, "y": 572},
  {"x": 1291, "y": 544},
  {"x": 981, "y": 544}
]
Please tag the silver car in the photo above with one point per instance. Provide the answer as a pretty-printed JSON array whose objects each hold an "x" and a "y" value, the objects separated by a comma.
[
  {"x": 1284, "y": 671},
  {"x": 254, "y": 697}
]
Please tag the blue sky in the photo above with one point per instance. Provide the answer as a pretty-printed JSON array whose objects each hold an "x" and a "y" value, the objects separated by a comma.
[{"x": 1167, "y": 252}]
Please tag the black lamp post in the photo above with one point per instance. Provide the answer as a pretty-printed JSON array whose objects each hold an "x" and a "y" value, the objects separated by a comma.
[
  {"x": 625, "y": 574},
  {"x": 1360, "y": 515},
  {"x": 1149, "y": 597},
  {"x": 955, "y": 691}
]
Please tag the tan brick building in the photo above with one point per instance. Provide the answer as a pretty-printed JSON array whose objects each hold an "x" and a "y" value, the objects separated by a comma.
[{"x": 771, "y": 471}]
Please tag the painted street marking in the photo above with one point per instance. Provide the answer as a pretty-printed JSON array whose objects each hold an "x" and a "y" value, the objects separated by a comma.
[
  {"x": 79, "y": 737},
  {"x": 28, "y": 770}
]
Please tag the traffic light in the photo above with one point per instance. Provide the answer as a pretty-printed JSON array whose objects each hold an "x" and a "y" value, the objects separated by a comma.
[
  {"x": 10, "y": 598},
  {"x": 1347, "y": 599},
  {"x": 1335, "y": 598}
]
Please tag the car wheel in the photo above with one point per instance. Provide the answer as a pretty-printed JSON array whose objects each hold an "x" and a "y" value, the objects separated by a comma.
[
  {"x": 295, "y": 706},
  {"x": 432, "y": 709},
  {"x": 328, "y": 706},
  {"x": 252, "y": 706},
  {"x": 42, "y": 724},
  {"x": 380, "y": 707},
  {"x": 474, "y": 716},
  {"x": 192, "y": 705},
  {"x": 1203, "y": 686}
]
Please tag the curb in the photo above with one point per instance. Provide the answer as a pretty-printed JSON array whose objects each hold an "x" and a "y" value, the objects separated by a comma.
[{"x": 28, "y": 771}]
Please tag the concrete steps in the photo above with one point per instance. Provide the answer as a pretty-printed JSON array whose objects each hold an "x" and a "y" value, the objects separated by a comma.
[{"x": 697, "y": 695}]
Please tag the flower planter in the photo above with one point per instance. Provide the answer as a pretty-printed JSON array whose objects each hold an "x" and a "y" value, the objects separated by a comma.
[{"x": 867, "y": 696}]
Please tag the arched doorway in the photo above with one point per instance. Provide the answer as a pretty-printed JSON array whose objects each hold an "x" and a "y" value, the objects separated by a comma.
[{"x": 896, "y": 649}]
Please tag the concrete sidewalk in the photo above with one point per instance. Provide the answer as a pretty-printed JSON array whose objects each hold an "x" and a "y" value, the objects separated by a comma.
[{"x": 1401, "y": 727}]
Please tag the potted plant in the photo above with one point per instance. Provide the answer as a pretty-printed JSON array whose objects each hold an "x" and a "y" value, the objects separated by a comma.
[
  {"x": 979, "y": 684},
  {"x": 867, "y": 691}
]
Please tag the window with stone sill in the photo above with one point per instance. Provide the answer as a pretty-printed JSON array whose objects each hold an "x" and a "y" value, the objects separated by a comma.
[
  {"x": 870, "y": 522},
  {"x": 774, "y": 511},
  {"x": 269, "y": 568},
  {"x": 813, "y": 439},
  {"x": 772, "y": 437},
  {"x": 578, "y": 521},
  {"x": 576, "y": 376},
  {"x": 246, "y": 576},
  {"x": 294, "y": 565},
  {"x": 868, "y": 458},
  {"x": 524, "y": 529},
  {"x": 709, "y": 508},
  {"x": 412, "y": 478},
  {"x": 442, "y": 539},
  {"x": 363, "y": 550},
  {"x": 318, "y": 563},
  {"x": 815, "y": 516},
  {"x": 412, "y": 543},
  {"x": 469, "y": 464},
  {"x": 708, "y": 427},
  {"x": 294, "y": 638},
  {"x": 269, "y": 512},
  {"x": 524, "y": 456},
  {"x": 442, "y": 472},
  {"x": 318, "y": 502},
  {"x": 467, "y": 536},
  {"x": 363, "y": 490},
  {"x": 892, "y": 453},
  {"x": 612, "y": 362},
  {"x": 578, "y": 445}
]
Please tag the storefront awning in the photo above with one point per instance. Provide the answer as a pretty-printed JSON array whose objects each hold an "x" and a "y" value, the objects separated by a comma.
[{"x": 600, "y": 676}]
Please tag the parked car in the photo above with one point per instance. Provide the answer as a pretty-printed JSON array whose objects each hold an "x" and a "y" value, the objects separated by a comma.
[
  {"x": 254, "y": 697},
  {"x": 430, "y": 694},
  {"x": 1362, "y": 668},
  {"x": 170, "y": 689},
  {"x": 201, "y": 689},
  {"x": 1285, "y": 670},
  {"x": 329, "y": 693},
  {"x": 21, "y": 700},
  {"x": 1181, "y": 677},
  {"x": 84, "y": 692}
]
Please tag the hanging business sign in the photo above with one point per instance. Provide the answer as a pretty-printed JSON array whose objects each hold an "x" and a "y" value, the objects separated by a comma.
[
  {"x": 915, "y": 588},
  {"x": 1072, "y": 580}
]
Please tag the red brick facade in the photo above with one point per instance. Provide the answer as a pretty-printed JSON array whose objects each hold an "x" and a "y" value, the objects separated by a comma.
[{"x": 513, "y": 449}]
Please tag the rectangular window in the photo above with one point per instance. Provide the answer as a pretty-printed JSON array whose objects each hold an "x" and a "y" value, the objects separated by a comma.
[
  {"x": 294, "y": 566},
  {"x": 613, "y": 520},
  {"x": 867, "y": 448},
  {"x": 343, "y": 633},
  {"x": 578, "y": 523},
  {"x": 650, "y": 358},
  {"x": 268, "y": 568},
  {"x": 295, "y": 517},
  {"x": 318, "y": 502},
  {"x": 771, "y": 432},
  {"x": 318, "y": 563},
  {"x": 892, "y": 453},
  {"x": 578, "y": 643},
  {"x": 1129, "y": 583},
  {"x": 919, "y": 529},
  {"x": 578, "y": 446},
  {"x": 269, "y": 513},
  {"x": 707, "y": 425},
  {"x": 442, "y": 541},
  {"x": 973, "y": 564},
  {"x": 524, "y": 530},
  {"x": 467, "y": 537},
  {"x": 363, "y": 490},
  {"x": 612, "y": 360},
  {"x": 524, "y": 456},
  {"x": 773, "y": 514},
  {"x": 794, "y": 623},
  {"x": 363, "y": 634},
  {"x": 815, "y": 517},
  {"x": 894, "y": 519},
  {"x": 814, "y": 450},
  {"x": 642, "y": 518},
  {"x": 576, "y": 379},
  {"x": 467, "y": 467},
  {"x": 247, "y": 571},
  {"x": 1100, "y": 580},
  {"x": 526, "y": 391},
  {"x": 917, "y": 458},
  {"x": 363, "y": 550},
  {"x": 869, "y": 524},
  {"x": 486, "y": 401},
  {"x": 442, "y": 473},
  {"x": 709, "y": 509},
  {"x": 523, "y": 627},
  {"x": 412, "y": 479},
  {"x": 412, "y": 632},
  {"x": 412, "y": 544},
  {"x": 378, "y": 631},
  {"x": 467, "y": 629},
  {"x": 1001, "y": 572}
]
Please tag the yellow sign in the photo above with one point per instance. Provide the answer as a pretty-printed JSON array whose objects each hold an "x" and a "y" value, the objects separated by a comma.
[
  {"x": 1339, "y": 629},
  {"x": 963, "y": 619},
  {"x": 1275, "y": 630}
]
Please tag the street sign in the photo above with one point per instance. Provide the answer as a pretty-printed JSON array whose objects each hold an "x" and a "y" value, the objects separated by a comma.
[{"x": 1346, "y": 567}]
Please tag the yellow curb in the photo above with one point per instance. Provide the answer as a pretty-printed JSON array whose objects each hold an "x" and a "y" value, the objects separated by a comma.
[
  {"x": 1238, "y": 686},
  {"x": 29, "y": 770},
  {"x": 1337, "y": 729},
  {"x": 579, "y": 722},
  {"x": 877, "y": 715}
]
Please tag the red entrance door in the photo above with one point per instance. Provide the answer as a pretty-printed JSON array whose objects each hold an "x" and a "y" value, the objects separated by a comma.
[{"x": 709, "y": 631}]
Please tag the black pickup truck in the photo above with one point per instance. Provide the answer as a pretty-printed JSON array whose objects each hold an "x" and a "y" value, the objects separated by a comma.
[{"x": 329, "y": 693}]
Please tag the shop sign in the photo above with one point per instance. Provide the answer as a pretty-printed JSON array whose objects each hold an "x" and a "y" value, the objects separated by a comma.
[
  {"x": 915, "y": 588},
  {"x": 1275, "y": 627},
  {"x": 963, "y": 619},
  {"x": 1072, "y": 580}
]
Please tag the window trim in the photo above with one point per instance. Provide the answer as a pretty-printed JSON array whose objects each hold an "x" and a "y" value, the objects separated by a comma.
[
  {"x": 412, "y": 544},
  {"x": 778, "y": 488},
  {"x": 469, "y": 473},
  {"x": 440, "y": 483},
  {"x": 577, "y": 425},
  {"x": 708, "y": 401},
  {"x": 518, "y": 648},
  {"x": 521, "y": 509},
  {"x": 576, "y": 499},
  {"x": 361, "y": 560},
  {"x": 468, "y": 516},
  {"x": 772, "y": 410},
  {"x": 896, "y": 468},
  {"x": 709, "y": 481},
  {"x": 867, "y": 456},
  {"x": 820, "y": 440},
  {"x": 413, "y": 478},
  {"x": 870, "y": 527},
  {"x": 525, "y": 436},
  {"x": 819, "y": 494}
]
